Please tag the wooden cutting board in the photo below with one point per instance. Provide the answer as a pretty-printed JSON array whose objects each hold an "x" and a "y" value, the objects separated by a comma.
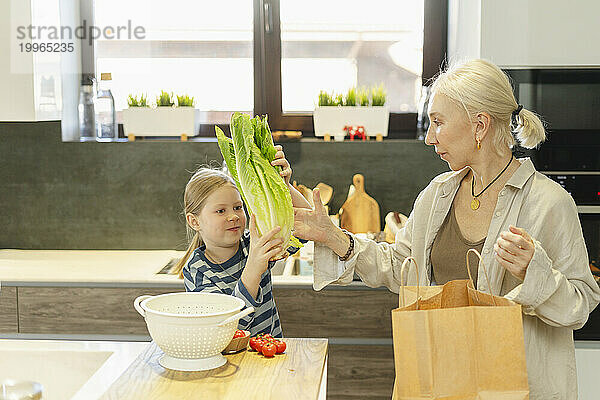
[
  {"x": 360, "y": 212},
  {"x": 296, "y": 374}
]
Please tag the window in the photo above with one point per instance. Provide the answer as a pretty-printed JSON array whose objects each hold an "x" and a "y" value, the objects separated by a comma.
[
  {"x": 351, "y": 43},
  {"x": 363, "y": 42},
  {"x": 273, "y": 56},
  {"x": 203, "y": 49}
]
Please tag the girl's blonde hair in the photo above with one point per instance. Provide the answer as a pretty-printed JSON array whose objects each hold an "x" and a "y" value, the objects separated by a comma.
[
  {"x": 201, "y": 185},
  {"x": 480, "y": 86}
]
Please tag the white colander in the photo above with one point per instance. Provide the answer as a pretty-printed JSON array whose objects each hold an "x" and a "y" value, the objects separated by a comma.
[{"x": 191, "y": 328}]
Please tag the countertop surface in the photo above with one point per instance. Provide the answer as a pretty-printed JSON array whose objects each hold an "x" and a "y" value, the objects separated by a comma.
[
  {"x": 76, "y": 370},
  {"x": 86, "y": 266},
  {"x": 105, "y": 268},
  {"x": 89, "y": 370},
  {"x": 299, "y": 373}
]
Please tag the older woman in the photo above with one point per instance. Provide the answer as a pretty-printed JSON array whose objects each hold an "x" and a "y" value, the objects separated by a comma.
[{"x": 525, "y": 225}]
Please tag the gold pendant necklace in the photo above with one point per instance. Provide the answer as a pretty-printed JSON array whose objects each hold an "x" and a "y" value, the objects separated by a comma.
[{"x": 475, "y": 201}]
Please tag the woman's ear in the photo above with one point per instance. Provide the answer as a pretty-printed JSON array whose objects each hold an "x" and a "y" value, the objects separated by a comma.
[
  {"x": 192, "y": 221},
  {"x": 482, "y": 125}
]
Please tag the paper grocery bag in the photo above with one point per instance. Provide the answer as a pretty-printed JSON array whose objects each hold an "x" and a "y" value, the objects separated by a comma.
[{"x": 454, "y": 343}]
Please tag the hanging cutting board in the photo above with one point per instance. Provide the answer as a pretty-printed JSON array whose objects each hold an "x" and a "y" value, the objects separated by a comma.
[{"x": 360, "y": 212}]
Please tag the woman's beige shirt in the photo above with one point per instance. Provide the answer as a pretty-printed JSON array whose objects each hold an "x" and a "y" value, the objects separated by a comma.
[{"x": 558, "y": 292}]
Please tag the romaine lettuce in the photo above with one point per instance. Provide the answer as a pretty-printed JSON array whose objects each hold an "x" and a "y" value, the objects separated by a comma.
[{"x": 248, "y": 155}]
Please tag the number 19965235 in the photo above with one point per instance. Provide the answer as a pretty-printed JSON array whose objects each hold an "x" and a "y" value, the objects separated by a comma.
[{"x": 46, "y": 47}]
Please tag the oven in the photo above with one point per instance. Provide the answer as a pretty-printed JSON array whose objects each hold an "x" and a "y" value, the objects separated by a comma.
[
  {"x": 568, "y": 100},
  {"x": 584, "y": 187}
]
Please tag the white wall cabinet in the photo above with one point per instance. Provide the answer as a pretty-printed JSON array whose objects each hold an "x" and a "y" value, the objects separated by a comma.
[
  {"x": 31, "y": 74},
  {"x": 525, "y": 34}
]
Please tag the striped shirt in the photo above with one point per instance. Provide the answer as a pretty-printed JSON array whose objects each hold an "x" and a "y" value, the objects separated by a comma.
[{"x": 202, "y": 275}]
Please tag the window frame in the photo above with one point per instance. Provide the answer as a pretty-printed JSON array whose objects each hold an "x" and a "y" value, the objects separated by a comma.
[{"x": 268, "y": 63}]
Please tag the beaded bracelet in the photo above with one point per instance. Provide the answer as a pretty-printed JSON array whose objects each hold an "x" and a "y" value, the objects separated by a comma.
[{"x": 347, "y": 255}]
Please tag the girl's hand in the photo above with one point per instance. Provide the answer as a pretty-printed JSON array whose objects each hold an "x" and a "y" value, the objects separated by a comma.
[
  {"x": 313, "y": 224},
  {"x": 280, "y": 160},
  {"x": 514, "y": 250},
  {"x": 262, "y": 248}
]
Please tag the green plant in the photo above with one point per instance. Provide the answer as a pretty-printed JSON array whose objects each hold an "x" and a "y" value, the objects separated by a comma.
[
  {"x": 262, "y": 188},
  {"x": 185, "y": 101},
  {"x": 165, "y": 99},
  {"x": 338, "y": 100},
  {"x": 363, "y": 96},
  {"x": 350, "y": 97},
  {"x": 378, "y": 95},
  {"x": 324, "y": 99},
  {"x": 133, "y": 101}
]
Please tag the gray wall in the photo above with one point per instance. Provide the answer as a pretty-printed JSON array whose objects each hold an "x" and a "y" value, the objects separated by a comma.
[{"x": 65, "y": 195}]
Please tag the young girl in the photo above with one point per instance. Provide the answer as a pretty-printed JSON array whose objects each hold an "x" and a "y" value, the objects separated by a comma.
[{"x": 223, "y": 257}]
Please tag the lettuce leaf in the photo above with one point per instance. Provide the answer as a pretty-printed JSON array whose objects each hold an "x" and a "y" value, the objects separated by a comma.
[
  {"x": 248, "y": 155},
  {"x": 228, "y": 152}
]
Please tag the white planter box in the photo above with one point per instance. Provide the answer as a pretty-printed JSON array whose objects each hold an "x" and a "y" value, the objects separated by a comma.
[
  {"x": 161, "y": 121},
  {"x": 330, "y": 120}
]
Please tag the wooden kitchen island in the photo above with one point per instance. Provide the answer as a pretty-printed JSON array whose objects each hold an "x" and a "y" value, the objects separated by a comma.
[
  {"x": 299, "y": 373},
  {"x": 90, "y": 370},
  {"x": 88, "y": 295}
]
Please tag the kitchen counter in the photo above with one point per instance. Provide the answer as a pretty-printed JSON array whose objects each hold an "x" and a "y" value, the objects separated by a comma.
[
  {"x": 300, "y": 373},
  {"x": 89, "y": 294},
  {"x": 91, "y": 267},
  {"x": 105, "y": 268},
  {"x": 88, "y": 370},
  {"x": 76, "y": 370}
]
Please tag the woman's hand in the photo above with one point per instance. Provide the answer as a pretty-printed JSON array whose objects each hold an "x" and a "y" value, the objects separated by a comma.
[
  {"x": 262, "y": 248},
  {"x": 514, "y": 250},
  {"x": 280, "y": 160},
  {"x": 313, "y": 224}
]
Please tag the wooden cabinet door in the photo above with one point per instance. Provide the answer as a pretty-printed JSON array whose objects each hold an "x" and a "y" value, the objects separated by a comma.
[
  {"x": 76, "y": 310},
  {"x": 335, "y": 313},
  {"x": 8, "y": 310}
]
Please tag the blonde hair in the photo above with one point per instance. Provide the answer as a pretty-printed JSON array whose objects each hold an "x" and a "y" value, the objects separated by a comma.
[
  {"x": 480, "y": 86},
  {"x": 201, "y": 185}
]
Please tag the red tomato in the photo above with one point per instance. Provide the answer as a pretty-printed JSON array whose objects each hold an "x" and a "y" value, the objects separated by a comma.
[
  {"x": 254, "y": 343},
  {"x": 269, "y": 350},
  {"x": 268, "y": 336},
  {"x": 259, "y": 344},
  {"x": 280, "y": 345},
  {"x": 239, "y": 333}
]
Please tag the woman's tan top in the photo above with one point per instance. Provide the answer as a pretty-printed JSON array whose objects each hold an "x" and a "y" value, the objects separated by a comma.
[
  {"x": 448, "y": 253},
  {"x": 557, "y": 294}
]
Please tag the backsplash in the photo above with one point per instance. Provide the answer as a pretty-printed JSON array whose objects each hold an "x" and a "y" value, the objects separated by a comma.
[{"x": 65, "y": 195}]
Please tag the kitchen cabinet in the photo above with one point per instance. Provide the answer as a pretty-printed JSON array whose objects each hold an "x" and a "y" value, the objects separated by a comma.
[
  {"x": 106, "y": 311},
  {"x": 336, "y": 313},
  {"x": 533, "y": 33},
  {"x": 360, "y": 372},
  {"x": 82, "y": 310},
  {"x": 8, "y": 310}
]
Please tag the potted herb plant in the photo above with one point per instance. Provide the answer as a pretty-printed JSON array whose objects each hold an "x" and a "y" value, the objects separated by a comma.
[
  {"x": 359, "y": 107},
  {"x": 166, "y": 119}
]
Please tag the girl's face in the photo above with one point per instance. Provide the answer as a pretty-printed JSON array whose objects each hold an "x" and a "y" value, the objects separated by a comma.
[
  {"x": 450, "y": 132},
  {"x": 222, "y": 220}
]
